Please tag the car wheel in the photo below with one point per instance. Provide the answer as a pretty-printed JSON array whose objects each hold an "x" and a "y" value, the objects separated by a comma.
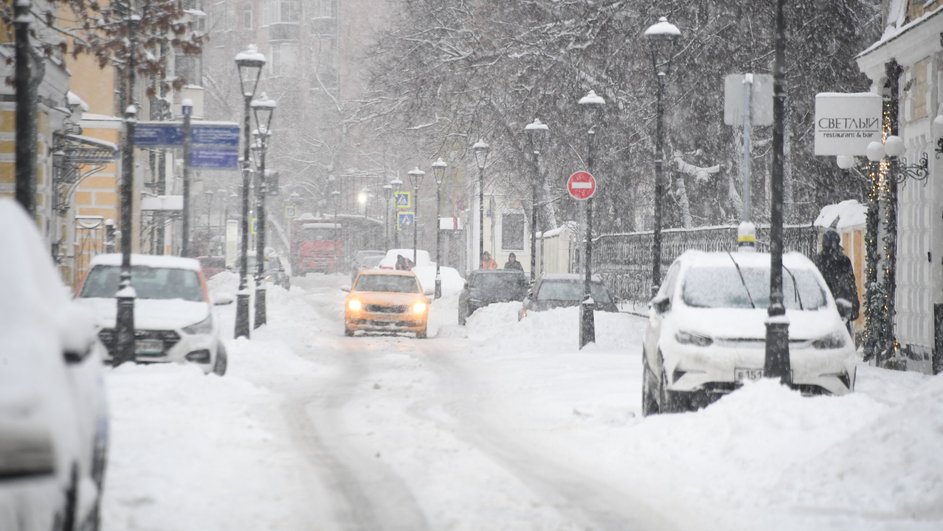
[
  {"x": 671, "y": 401},
  {"x": 348, "y": 332},
  {"x": 222, "y": 360},
  {"x": 421, "y": 334},
  {"x": 71, "y": 500},
  {"x": 462, "y": 316},
  {"x": 649, "y": 401}
]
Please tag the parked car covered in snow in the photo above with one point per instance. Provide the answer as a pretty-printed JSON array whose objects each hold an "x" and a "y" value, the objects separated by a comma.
[
  {"x": 53, "y": 416},
  {"x": 389, "y": 261},
  {"x": 173, "y": 313},
  {"x": 706, "y": 331},
  {"x": 561, "y": 290},
  {"x": 488, "y": 286}
]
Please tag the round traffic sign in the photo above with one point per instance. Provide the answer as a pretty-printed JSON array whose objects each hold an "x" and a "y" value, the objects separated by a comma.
[{"x": 581, "y": 185}]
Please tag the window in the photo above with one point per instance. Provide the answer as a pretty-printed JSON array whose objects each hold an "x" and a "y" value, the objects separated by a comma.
[
  {"x": 512, "y": 232},
  {"x": 283, "y": 12},
  {"x": 247, "y": 17},
  {"x": 325, "y": 9}
]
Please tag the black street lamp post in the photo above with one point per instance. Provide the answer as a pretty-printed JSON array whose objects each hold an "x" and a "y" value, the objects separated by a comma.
[
  {"x": 536, "y": 130},
  {"x": 661, "y": 38},
  {"x": 124, "y": 318},
  {"x": 264, "y": 110},
  {"x": 249, "y": 63},
  {"x": 187, "y": 110},
  {"x": 481, "y": 157},
  {"x": 397, "y": 184},
  {"x": 25, "y": 110},
  {"x": 595, "y": 103},
  {"x": 335, "y": 197},
  {"x": 777, "y": 363},
  {"x": 387, "y": 194},
  {"x": 438, "y": 171},
  {"x": 415, "y": 178}
]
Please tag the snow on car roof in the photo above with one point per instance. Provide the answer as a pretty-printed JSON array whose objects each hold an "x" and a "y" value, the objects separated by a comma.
[
  {"x": 148, "y": 260},
  {"x": 791, "y": 260},
  {"x": 388, "y": 272}
]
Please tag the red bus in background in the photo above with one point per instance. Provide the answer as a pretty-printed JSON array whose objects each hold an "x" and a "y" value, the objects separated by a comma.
[{"x": 317, "y": 245}]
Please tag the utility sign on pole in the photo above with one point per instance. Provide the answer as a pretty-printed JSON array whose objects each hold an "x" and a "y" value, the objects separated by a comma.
[
  {"x": 403, "y": 200},
  {"x": 761, "y": 109}
]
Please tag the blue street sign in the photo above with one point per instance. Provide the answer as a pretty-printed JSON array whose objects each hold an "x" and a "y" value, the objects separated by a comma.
[
  {"x": 405, "y": 219},
  {"x": 403, "y": 199},
  {"x": 170, "y": 134},
  {"x": 213, "y": 159}
]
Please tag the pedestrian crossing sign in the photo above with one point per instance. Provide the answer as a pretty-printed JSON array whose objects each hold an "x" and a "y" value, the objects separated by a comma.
[
  {"x": 405, "y": 220},
  {"x": 403, "y": 200}
]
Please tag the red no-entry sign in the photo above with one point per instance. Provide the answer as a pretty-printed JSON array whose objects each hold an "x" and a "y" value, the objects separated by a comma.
[{"x": 581, "y": 185}]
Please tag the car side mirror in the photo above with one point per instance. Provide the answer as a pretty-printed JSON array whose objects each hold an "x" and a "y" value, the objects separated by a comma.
[
  {"x": 661, "y": 303},
  {"x": 345, "y": 289},
  {"x": 466, "y": 285},
  {"x": 223, "y": 299},
  {"x": 77, "y": 332},
  {"x": 844, "y": 308}
]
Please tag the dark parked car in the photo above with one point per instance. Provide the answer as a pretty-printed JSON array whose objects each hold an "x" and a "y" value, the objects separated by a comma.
[
  {"x": 558, "y": 290},
  {"x": 274, "y": 270},
  {"x": 485, "y": 287}
]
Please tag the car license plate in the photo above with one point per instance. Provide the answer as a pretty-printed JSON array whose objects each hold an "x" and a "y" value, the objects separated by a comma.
[
  {"x": 149, "y": 347},
  {"x": 747, "y": 375}
]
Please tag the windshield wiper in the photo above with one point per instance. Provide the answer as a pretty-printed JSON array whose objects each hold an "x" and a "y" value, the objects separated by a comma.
[
  {"x": 795, "y": 287},
  {"x": 742, "y": 280}
]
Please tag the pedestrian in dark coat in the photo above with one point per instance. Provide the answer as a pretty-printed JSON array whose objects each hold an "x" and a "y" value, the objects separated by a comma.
[
  {"x": 837, "y": 270},
  {"x": 512, "y": 263}
]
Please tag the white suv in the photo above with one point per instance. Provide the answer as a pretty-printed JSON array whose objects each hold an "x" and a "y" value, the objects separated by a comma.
[
  {"x": 174, "y": 319},
  {"x": 706, "y": 330},
  {"x": 53, "y": 417}
]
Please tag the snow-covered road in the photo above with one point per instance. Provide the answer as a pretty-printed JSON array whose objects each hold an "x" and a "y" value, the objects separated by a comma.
[{"x": 500, "y": 425}]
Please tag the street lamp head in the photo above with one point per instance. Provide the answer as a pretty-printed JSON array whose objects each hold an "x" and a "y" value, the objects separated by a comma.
[
  {"x": 330, "y": 178},
  {"x": 387, "y": 190},
  {"x": 662, "y": 37},
  {"x": 592, "y": 99},
  {"x": 415, "y": 177},
  {"x": 334, "y": 194},
  {"x": 536, "y": 130},
  {"x": 481, "y": 149},
  {"x": 264, "y": 109},
  {"x": 396, "y": 183},
  {"x": 894, "y": 146},
  {"x": 438, "y": 170},
  {"x": 845, "y": 162},
  {"x": 362, "y": 198},
  {"x": 250, "y": 62},
  {"x": 186, "y": 107},
  {"x": 875, "y": 151}
]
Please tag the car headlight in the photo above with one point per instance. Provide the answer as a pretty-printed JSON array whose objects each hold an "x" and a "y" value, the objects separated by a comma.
[
  {"x": 354, "y": 305},
  {"x": 693, "y": 338},
  {"x": 834, "y": 340},
  {"x": 420, "y": 308},
  {"x": 203, "y": 327}
]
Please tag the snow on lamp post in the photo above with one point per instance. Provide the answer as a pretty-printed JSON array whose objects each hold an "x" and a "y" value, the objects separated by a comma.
[
  {"x": 264, "y": 110},
  {"x": 415, "y": 178},
  {"x": 481, "y": 149},
  {"x": 249, "y": 64},
  {"x": 536, "y": 131},
  {"x": 662, "y": 38},
  {"x": 594, "y": 103},
  {"x": 438, "y": 172}
]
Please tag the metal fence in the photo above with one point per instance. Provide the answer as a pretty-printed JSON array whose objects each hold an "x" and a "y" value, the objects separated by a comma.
[{"x": 624, "y": 261}]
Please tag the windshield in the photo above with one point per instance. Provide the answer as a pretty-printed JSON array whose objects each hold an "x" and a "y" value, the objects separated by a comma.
[
  {"x": 159, "y": 283},
  {"x": 387, "y": 283},
  {"x": 570, "y": 290},
  {"x": 498, "y": 282},
  {"x": 721, "y": 287}
]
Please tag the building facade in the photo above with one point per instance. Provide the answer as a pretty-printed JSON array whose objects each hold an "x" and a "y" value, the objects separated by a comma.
[{"x": 911, "y": 49}]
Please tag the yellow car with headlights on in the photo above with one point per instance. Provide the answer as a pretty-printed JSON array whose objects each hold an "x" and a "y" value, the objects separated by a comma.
[{"x": 383, "y": 300}]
